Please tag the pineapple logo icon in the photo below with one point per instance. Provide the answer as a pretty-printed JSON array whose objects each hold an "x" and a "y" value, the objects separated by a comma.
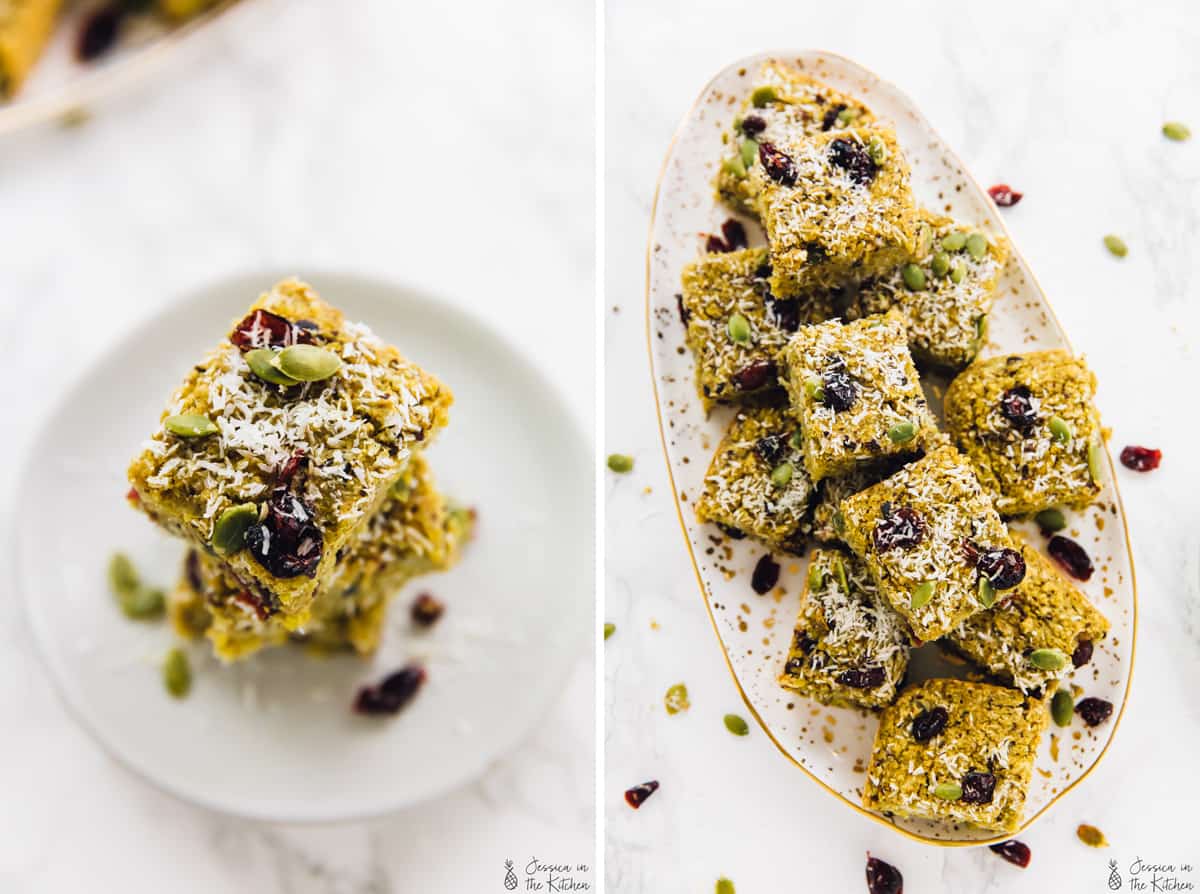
[
  {"x": 1114, "y": 877},
  {"x": 510, "y": 877}
]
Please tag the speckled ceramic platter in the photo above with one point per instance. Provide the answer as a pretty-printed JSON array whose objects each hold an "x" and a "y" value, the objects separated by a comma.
[
  {"x": 833, "y": 745},
  {"x": 60, "y": 83}
]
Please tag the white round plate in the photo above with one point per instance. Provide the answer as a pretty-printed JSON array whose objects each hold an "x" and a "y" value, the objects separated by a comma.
[
  {"x": 59, "y": 82},
  {"x": 833, "y": 745},
  {"x": 274, "y": 738}
]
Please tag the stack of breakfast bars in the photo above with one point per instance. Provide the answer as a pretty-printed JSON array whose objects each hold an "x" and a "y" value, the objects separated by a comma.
[
  {"x": 291, "y": 462},
  {"x": 819, "y": 341}
]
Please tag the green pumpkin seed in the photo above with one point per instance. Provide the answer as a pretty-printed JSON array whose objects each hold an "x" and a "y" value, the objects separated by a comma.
[
  {"x": 796, "y": 440},
  {"x": 609, "y": 630},
  {"x": 958, "y": 272},
  {"x": 620, "y": 463},
  {"x": 738, "y": 328},
  {"x": 954, "y": 241},
  {"x": 229, "y": 532},
  {"x": 143, "y": 603},
  {"x": 1095, "y": 460},
  {"x": 676, "y": 699},
  {"x": 921, "y": 594},
  {"x": 763, "y": 96},
  {"x": 940, "y": 264},
  {"x": 924, "y": 240},
  {"x": 738, "y": 121},
  {"x": 725, "y": 886},
  {"x": 1116, "y": 245},
  {"x": 307, "y": 363},
  {"x": 734, "y": 165},
  {"x": 981, "y": 328},
  {"x": 840, "y": 571},
  {"x": 839, "y": 521},
  {"x": 815, "y": 389},
  {"x": 816, "y": 578},
  {"x": 122, "y": 575},
  {"x": 902, "y": 432},
  {"x": 177, "y": 673},
  {"x": 749, "y": 153},
  {"x": 190, "y": 425},
  {"x": 1060, "y": 430},
  {"x": 1062, "y": 707},
  {"x": 736, "y": 725},
  {"x": 913, "y": 276},
  {"x": 877, "y": 150},
  {"x": 1051, "y": 520},
  {"x": 1176, "y": 130},
  {"x": 977, "y": 246},
  {"x": 986, "y": 592},
  {"x": 261, "y": 362},
  {"x": 1048, "y": 659},
  {"x": 848, "y": 114},
  {"x": 782, "y": 474},
  {"x": 948, "y": 791}
]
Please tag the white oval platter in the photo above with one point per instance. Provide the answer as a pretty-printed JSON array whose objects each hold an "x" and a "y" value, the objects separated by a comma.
[{"x": 833, "y": 744}]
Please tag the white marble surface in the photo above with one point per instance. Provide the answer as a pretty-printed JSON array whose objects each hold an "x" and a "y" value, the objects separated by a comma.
[
  {"x": 387, "y": 139},
  {"x": 1064, "y": 102}
]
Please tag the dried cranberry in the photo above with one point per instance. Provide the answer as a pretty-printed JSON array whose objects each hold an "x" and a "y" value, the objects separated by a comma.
[
  {"x": 778, "y": 165},
  {"x": 734, "y": 233},
  {"x": 929, "y": 723},
  {"x": 862, "y": 677},
  {"x": 426, "y": 610},
  {"x": 1071, "y": 556},
  {"x": 637, "y": 795},
  {"x": 1016, "y": 405},
  {"x": 755, "y": 376},
  {"x": 1013, "y": 851},
  {"x": 785, "y": 313},
  {"x": 900, "y": 529},
  {"x": 261, "y": 610},
  {"x": 1082, "y": 654},
  {"x": 297, "y": 462},
  {"x": 1003, "y": 567},
  {"x": 716, "y": 245},
  {"x": 286, "y": 542},
  {"x": 192, "y": 571},
  {"x": 770, "y": 448},
  {"x": 393, "y": 693},
  {"x": 805, "y": 643},
  {"x": 683, "y": 313},
  {"x": 840, "y": 390},
  {"x": 753, "y": 125},
  {"x": 766, "y": 575},
  {"x": 1094, "y": 711},
  {"x": 852, "y": 157},
  {"x": 764, "y": 271},
  {"x": 1004, "y": 195},
  {"x": 99, "y": 32},
  {"x": 1141, "y": 459},
  {"x": 263, "y": 329},
  {"x": 831, "y": 115},
  {"x": 883, "y": 878},
  {"x": 978, "y": 788},
  {"x": 731, "y": 532}
]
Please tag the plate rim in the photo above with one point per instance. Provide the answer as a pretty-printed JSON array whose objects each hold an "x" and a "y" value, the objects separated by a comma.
[
  {"x": 747, "y": 62},
  {"x": 102, "y": 83},
  {"x": 264, "y": 812}
]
